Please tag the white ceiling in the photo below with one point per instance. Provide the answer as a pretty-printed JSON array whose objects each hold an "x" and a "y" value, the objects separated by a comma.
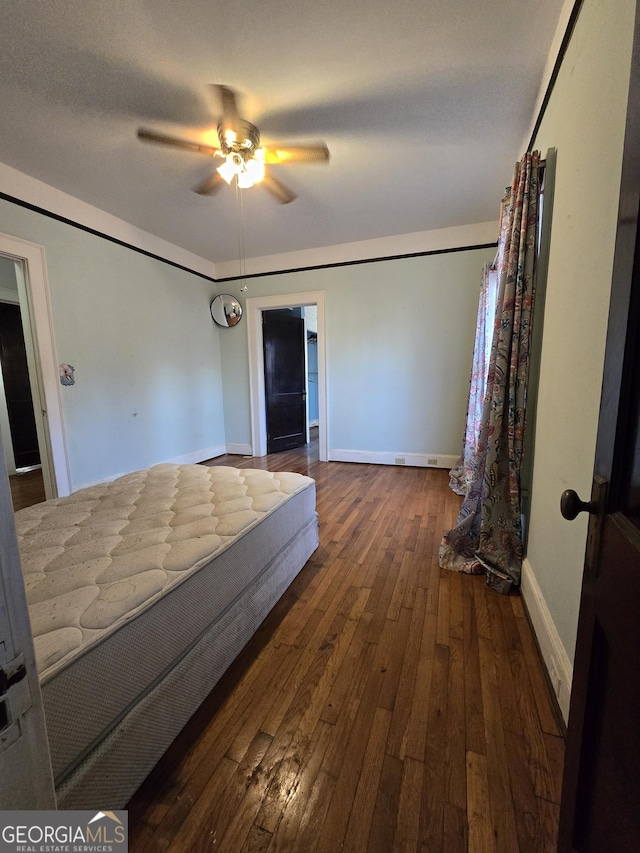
[{"x": 424, "y": 104}]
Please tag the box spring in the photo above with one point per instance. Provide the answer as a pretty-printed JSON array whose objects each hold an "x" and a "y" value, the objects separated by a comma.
[{"x": 114, "y": 704}]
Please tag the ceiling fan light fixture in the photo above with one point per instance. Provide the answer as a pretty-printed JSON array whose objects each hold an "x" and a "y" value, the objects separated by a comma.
[
  {"x": 248, "y": 170},
  {"x": 244, "y": 180},
  {"x": 240, "y": 152},
  {"x": 255, "y": 170},
  {"x": 228, "y": 169}
]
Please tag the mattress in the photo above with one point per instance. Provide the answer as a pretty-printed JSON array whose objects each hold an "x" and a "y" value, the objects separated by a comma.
[{"x": 124, "y": 580}]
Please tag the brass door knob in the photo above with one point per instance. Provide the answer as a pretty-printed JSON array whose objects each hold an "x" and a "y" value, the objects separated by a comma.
[{"x": 571, "y": 505}]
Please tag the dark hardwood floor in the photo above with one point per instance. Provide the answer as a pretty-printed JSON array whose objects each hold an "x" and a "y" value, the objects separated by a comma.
[
  {"x": 383, "y": 705},
  {"x": 27, "y": 489}
]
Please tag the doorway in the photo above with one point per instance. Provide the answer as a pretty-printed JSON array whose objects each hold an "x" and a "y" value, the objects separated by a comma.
[
  {"x": 17, "y": 420},
  {"x": 285, "y": 378},
  {"x": 254, "y": 308},
  {"x": 21, "y": 443},
  {"x": 33, "y": 299}
]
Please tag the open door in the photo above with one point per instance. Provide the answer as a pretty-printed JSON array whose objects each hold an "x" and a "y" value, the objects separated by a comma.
[
  {"x": 600, "y": 808},
  {"x": 25, "y": 768},
  {"x": 37, "y": 321},
  {"x": 254, "y": 308},
  {"x": 283, "y": 335}
]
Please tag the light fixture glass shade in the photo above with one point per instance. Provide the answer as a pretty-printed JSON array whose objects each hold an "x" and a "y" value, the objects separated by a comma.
[
  {"x": 244, "y": 180},
  {"x": 255, "y": 170},
  {"x": 227, "y": 170},
  {"x": 247, "y": 173}
]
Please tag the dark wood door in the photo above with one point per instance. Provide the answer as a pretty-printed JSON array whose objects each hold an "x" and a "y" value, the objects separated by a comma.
[
  {"x": 15, "y": 373},
  {"x": 284, "y": 343},
  {"x": 600, "y": 808}
]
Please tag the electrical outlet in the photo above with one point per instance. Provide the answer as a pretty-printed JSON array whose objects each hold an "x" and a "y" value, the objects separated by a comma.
[
  {"x": 432, "y": 460},
  {"x": 400, "y": 460}
]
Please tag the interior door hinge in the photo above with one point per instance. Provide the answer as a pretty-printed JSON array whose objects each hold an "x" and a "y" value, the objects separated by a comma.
[
  {"x": 15, "y": 699},
  {"x": 11, "y": 673}
]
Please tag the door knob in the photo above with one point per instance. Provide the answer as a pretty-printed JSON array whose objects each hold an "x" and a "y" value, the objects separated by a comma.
[{"x": 571, "y": 505}]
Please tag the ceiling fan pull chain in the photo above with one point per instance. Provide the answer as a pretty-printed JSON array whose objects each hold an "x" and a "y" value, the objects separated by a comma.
[{"x": 241, "y": 254}]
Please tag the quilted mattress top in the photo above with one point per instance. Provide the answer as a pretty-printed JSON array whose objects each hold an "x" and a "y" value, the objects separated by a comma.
[{"x": 93, "y": 560}]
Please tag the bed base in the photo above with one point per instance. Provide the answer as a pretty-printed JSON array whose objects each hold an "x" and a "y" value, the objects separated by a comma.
[{"x": 114, "y": 769}]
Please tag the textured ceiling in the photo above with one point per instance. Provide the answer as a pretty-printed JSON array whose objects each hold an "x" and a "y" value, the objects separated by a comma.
[{"x": 424, "y": 105}]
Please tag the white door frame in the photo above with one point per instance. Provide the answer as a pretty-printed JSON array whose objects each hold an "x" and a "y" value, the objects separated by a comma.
[
  {"x": 37, "y": 321},
  {"x": 25, "y": 766},
  {"x": 254, "y": 307}
]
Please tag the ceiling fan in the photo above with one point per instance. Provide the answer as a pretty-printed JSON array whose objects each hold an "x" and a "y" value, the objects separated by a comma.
[{"x": 241, "y": 154}]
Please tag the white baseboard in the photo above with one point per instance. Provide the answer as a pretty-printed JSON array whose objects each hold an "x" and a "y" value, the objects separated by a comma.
[
  {"x": 553, "y": 651},
  {"x": 198, "y": 456},
  {"x": 239, "y": 449},
  {"x": 415, "y": 460},
  {"x": 75, "y": 487},
  {"x": 186, "y": 459}
]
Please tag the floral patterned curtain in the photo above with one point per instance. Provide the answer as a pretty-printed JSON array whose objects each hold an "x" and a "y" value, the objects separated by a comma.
[
  {"x": 488, "y": 534},
  {"x": 465, "y": 473}
]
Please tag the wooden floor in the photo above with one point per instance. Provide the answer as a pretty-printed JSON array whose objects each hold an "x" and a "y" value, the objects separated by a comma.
[
  {"x": 27, "y": 489},
  {"x": 384, "y": 705}
]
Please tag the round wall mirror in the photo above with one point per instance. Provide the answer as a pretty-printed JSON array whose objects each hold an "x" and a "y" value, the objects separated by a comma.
[{"x": 225, "y": 310}]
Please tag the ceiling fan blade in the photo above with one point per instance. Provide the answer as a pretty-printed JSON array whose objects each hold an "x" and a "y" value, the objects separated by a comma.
[
  {"x": 282, "y": 152},
  {"x": 185, "y": 144},
  {"x": 282, "y": 194},
  {"x": 229, "y": 106},
  {"x": 211, "y": 184}
]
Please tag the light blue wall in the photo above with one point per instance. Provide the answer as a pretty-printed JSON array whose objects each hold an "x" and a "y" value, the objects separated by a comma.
[
  {"x": 8, "y": 279},
  {"x": 399, "y": 344},
  {"x": 312, "y": 379},
  {"x": 146, "y": 352},
  {"x": 585, "y": 122},
  {"x": 157, "y": 380}
]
